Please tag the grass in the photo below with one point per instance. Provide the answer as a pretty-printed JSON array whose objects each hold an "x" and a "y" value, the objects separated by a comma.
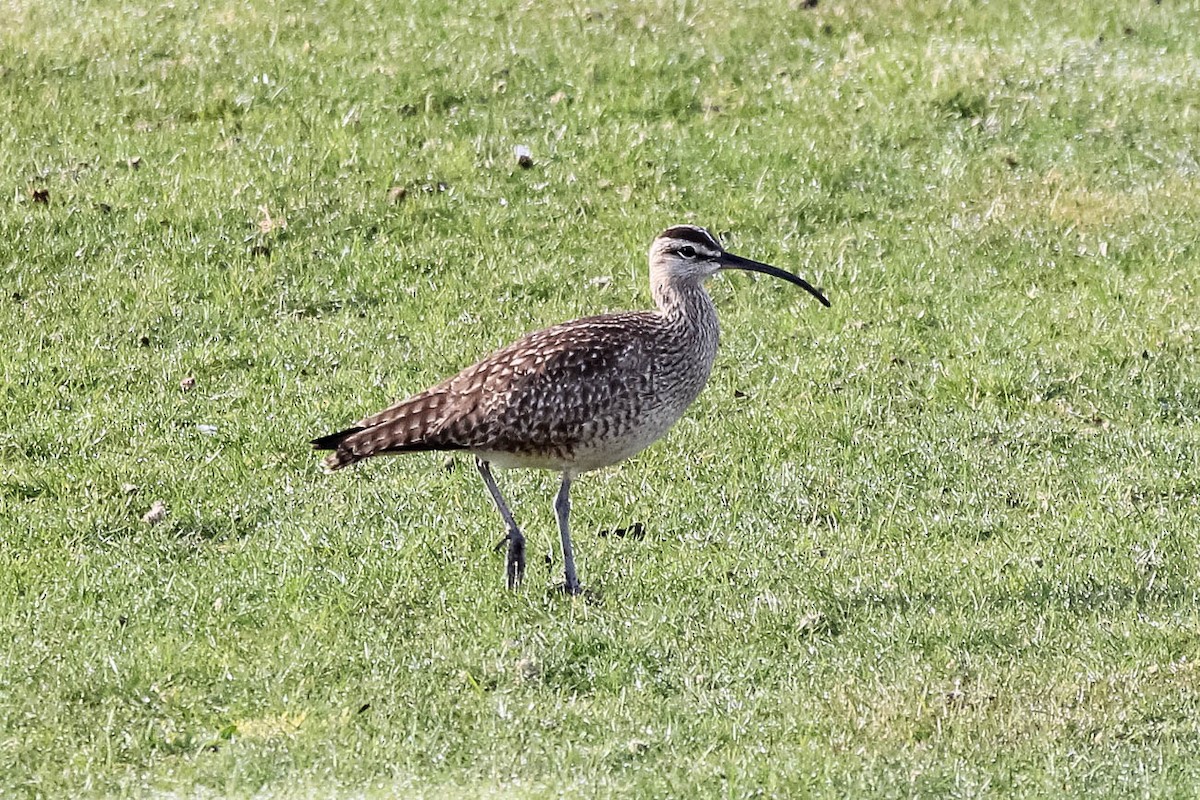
[{"x": 939, "y": 540}]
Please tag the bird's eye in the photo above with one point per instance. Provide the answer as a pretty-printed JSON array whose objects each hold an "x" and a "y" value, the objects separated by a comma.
[{"x": 687, "y": 251}]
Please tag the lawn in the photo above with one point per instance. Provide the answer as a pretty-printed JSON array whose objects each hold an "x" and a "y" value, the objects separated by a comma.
[{"x": 939, "y": 540}]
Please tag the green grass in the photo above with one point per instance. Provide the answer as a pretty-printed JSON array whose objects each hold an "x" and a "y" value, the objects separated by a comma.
[{"x": 942, "y": 539}]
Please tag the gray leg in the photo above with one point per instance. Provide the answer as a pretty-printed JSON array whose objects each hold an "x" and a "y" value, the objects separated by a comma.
[
  {"x": 515, "y": 568},
  {"x": 562, "y": 509}
]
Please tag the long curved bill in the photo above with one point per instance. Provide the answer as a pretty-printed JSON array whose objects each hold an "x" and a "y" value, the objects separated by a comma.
[{"x": 730, "y": 261}]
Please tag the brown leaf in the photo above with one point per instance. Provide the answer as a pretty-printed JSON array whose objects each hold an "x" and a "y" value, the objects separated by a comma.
[
  {"x": 268, "y": 224},
  {"x": 156, "y": 514}
]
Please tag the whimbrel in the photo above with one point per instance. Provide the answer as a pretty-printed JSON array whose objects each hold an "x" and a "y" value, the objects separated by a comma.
[{"x": 574, "y": 397}]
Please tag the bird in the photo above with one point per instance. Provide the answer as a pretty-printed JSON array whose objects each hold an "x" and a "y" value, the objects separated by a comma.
[{"x": 574, "y": 397}]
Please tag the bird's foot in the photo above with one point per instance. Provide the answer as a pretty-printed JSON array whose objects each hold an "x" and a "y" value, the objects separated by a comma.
[
  {"x": 576, "y": 589},
  {"x": 514, "y": 565}
]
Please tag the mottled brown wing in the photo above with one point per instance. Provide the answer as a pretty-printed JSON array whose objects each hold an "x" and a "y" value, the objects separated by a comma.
[
  {"x": 550, "y": 390},
  {"x": 539, "y": 394}
]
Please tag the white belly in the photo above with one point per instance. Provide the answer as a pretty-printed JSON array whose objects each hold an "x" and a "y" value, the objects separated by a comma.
[{"x": 599, "y": 445}]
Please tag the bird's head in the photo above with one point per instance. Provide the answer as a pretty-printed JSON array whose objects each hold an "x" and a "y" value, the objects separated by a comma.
[{"x": 687, "y": 254}]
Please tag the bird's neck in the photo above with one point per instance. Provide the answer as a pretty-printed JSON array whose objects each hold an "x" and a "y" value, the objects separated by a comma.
[
  {"x": 686, "y": 306},
  {"x": 687, "y": 345}
]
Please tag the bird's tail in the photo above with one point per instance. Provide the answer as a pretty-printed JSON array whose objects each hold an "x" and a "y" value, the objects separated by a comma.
[
  {"x": 409, "y": 426},
  {"x": 342, "y": 455}
]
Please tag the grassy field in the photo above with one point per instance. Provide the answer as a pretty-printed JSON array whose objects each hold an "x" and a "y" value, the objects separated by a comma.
[{"x": 942, "y": 539}]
